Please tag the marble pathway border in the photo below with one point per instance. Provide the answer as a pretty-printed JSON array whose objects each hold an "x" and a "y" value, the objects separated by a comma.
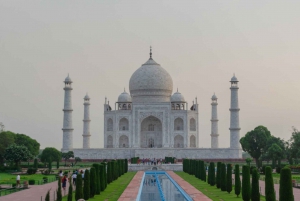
[
  {"x": 132, "y": 189},
  {"x": 188, "y": 188}
]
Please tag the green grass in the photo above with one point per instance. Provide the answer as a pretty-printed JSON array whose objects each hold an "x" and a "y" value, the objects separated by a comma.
[
  {"x": 211, "y": 191},
  {"x": 6, "y": 178},
  {"x": 113, "y": 190}
]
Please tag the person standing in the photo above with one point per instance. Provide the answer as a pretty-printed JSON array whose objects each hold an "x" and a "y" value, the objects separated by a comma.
[
  {"x": 74, "y": 176},
  {"x": 64, "y": 182},
  {"x": 18, "y": 181}
]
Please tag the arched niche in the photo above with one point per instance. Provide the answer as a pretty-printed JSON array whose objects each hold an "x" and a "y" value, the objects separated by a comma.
[
  {"x": 192, "y": 141},
  {"x": 123, "y": 124},
  {"x": 178, "y": 124},
  {"x": 151, "y": 133},
  {"x": 110, "y": 141},
  {"x": 192, "y": 124},
  {"x": 178, "y": 141},
  {"x": 123, "y": 141},
  {"x": 110, "y": 124}
]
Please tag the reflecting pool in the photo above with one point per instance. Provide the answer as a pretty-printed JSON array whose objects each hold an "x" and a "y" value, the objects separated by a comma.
[{"x": 159, "y": 186}]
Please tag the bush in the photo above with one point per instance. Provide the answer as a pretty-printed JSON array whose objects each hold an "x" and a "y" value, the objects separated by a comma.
[
  {"x": 126, "y": 165},
  {"x": 70, "y": 193},
  {"x": 278, "y": 169},
  {"x": 86, "y": 188},
  {"x": 105, "y": 174},
  {"x": 45, "y": 179},
  {"x": 218, "y": 178},
  {"x": 212, "y": 174},
  {"x": 269, "y": 185},
  {"x": 102, "y": 178},
  {"x": 246, "y": 183},
  {"x": 92, "y": 182},
  {"x": 47, "y": 198},
  {"x": 31, "y": 182},
  {"x": 286, "y": 188},
  {"x": 31, "y": 171},
  {"x": 237, "y": 180},
  {"x": 255, "y": 196},
  {"x": 223, "y": 177},
  {"x": 35, "y": 164},
  {"x": 229, "y": 178},
  {"x": 78, "y": 191},
  {"x": 58, "y": 191},
  {"x": 97, "y": 171},
  {"x": 251, "y": 169}
]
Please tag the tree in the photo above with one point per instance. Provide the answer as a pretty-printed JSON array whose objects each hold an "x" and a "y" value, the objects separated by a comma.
[
  {"x": 213, "y": 174},
  {"x": 92, "y": 182},
  {"x": 86, "y": 187},
  {"x": 78, "y": 191},
  {"x": 97, "y": 170},
  {"x": 246, "y": 183},
  {"x": 17, "y": 154},
  {"x": 255, "y": 142},
  {"x": 77, "y": 159},
  {"x": 275, "y": 152},
  {"x": 70, "y": 193},
  {"x": 255, "y": 196},
  {"x": 223, "y": 177},
  {"x": 248, "y": 161},
  {"x": 229, "y": 178},
  {"x": 49, "y": 155},
  {"x": 269, "y": 185},
  {"x": 126, "y": 165},
  {"x": 208, "y": 174},
  {"x": 204, "y": 171},
  {"x": 286, "y": 188},
  {"x": 35, "y": 163},
  {"x": 58, "y": 191},
  {"x": 32, "y": 145},
  {"x": 237, "y": 180},
  {"x": 218, "y": 178},
  {"x": 7, "y": 139},
  {"x": 105, "y": 174},
  {"x": 47, "y": 198},
  {"x": 67, "y": 155},
  {"x": 102, "y": 178}
]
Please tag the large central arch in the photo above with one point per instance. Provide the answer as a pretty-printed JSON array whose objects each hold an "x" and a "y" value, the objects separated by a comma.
[{"x": 151, "y": 133}]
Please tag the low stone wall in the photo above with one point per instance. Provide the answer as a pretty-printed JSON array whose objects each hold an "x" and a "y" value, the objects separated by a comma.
[
  {"x": 193, "y": 153},
  {"x": 166, "y": 167}
]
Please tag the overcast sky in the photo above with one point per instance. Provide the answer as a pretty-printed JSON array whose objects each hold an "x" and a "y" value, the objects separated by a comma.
[{"x": 101, "y": 43}]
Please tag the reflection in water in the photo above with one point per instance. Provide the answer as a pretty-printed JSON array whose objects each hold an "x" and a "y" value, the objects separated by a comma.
[{"x": 150, "y": 190}]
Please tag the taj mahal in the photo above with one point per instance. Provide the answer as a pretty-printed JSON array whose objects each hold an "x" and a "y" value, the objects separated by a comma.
[{"x": 151, "y": 122}]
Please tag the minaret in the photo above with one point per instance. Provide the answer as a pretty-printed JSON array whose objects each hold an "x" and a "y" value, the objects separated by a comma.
[
  {"x": 67, "y": 125},
  {"x": 86, "y": 123},
  {"x": 214, "y": 123},
  {"x": 234, "y": 115}
]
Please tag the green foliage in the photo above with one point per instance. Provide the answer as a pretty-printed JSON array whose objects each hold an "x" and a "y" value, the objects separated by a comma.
[
  {"x": 70, "y": 193},
  {"x": 255, "y": 141},
  {"x": 109, "y": 173},
  {"x": 50, "y": 154},
  {"x": 223, "y": 177},
  {"x": 269, "y": 185},
  {"x": 126, "y": 165},
  {"x": 35, "y": 164},
  {"x": 58, "y": 191},
  {"x": 218, "y": 178},
  {"x": 78, "y": 191},
  {"x": 248, "y": 161},
  {"x": 67, "y": 155},
  {"x": 255, "y": 195},
  {"x": 208, "y": 175},
  {"x": 31, "y": 182},
  {"x": 246, "y": 183},
  {"x": 229, "y": 178},
  {"x": 86, "y": 187},
  {"x": 47, "y": 198},
  {"x": 275, "y": 152},
  {"x": 286, "y": 188},
  {"x": 77, "y": 159},
  {"x": 17, "y": 154},
  {"x": 93, "y": 184},
  {"x": 31, "y": 171},
  {"x": 212, "y": 174},
  {"x": 204, "y": 171},
  {"x": 7, "y": 139},
  {"x": 32, "y": 145},
  {"x": 105, "y": 174},
  {"x": 102, "y": 178},
  {"x": 57, "y": 164},
  {"x": 97, "y": 171}
]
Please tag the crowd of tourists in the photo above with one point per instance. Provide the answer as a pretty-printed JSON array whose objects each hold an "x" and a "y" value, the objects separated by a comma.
[{"x": 70, "y": 176}]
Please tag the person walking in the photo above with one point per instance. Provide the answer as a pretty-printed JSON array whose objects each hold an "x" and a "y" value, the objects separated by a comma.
[
  {"x": 74, "y": 176},
  {"x": 64, "y": 182},
  {"x": 18, "y": 181}
]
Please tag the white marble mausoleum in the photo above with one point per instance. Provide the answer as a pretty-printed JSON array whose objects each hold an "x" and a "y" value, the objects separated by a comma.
[{"x": 150, "y": 121}]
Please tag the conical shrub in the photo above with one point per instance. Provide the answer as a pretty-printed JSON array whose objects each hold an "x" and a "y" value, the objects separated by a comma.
[
  {"x": 246, "y": 183},
  {"x": 86, "y": 187},
  {"x": 286, "y": 188},
  {"x": 70, "y": 193},
  {"x": 255, "y": 196},
  {"x": 218, "y": 177},
  {"x": 212, "y": 174},
  {"x": 223, "y": 177},
  {"x": 92, "y": 182},
  {"x": 58, "y": 191},
  {"x": 229, "y": 178},
  {"x": 269, "y": 185},
  {"x": 79, "y": 190},
  {"x": 237, "y": 181}
]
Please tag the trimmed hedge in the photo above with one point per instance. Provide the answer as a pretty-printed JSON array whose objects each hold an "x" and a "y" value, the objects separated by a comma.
[
  {"x": 31, "y": 182},
  {"x": 269, "y": 185},
  {"x": 218, "y": 178},
  {"x": 223, "y": 177},
  {"x": 86, "y": 187},
  {"x": 246, "y": 183},
  {"x": 78, "y": 191},
  {"x": 255, "y": 195},
  {"x": 286, "y": 188},
  {"x": 237, "y": 181},
  {"x": 97, "y": 179},
  {"x": 229, "y": 178},
  {"x": 93, "y": 184},
  {"x": 212, "y": 174}
]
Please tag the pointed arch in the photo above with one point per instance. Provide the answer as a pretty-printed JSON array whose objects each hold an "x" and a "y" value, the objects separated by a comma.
[
  {"x": 110, "y": 141},
  {"x": 178, "y": 124},
  {"x": 192, "y": 124},
  {"x": 110, "y": 124},
  {"x": 178, "y": 141},
  {"x": 123, "y": 124},
  {"x": 123, "y": 141},
  {"x": 192, "y": 141}
]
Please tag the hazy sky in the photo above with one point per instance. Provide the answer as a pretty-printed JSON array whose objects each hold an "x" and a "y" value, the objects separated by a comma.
[{"x": 101, "y": 43}]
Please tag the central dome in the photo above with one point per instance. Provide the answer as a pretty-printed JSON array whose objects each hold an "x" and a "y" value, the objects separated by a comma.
[{"x": 151, "y": 83}]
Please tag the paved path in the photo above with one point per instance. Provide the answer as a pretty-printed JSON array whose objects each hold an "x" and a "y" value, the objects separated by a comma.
[
  {"x": 132, "y": 189},
  {"x": 34, "y": 193},
  {"x": 188, "y": 188}
]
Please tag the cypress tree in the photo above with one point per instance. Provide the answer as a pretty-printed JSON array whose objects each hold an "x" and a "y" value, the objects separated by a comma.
[
  {"x": 208, "y": 175},
  {"x": 246, "y": 183},
  {"x": 47, "y": 198},
  {"x": 204, "y": 171},
  {"x": 58, "y": 191},
  {"x": 105, "y": 175},
  {"x": 102, "y": 184},
  {"x": 223, "y": 177},
  {"x": 70, "y": 193},
  {"x": 229, "y": 178},
  {"x": 86, "y": 187},
  {"x": 213, "y": 174},
  {"x": 286, "y": 188},
  {"x": 269, "y": 185},
  {"x": 126, "y": 165},
  {"x": 92, "y": 182},
  {"x": 113, "y": 170},
  {"x": 255, "y": 196},
  {"x": 109, "y": 179},
  {"x": 237, "y": 181},
  {"x": 218, "y": 178},
  {"x": 97, "y": 171},
  {"x": 200, "y": 170},
  {"x": 78, "y": 191}
]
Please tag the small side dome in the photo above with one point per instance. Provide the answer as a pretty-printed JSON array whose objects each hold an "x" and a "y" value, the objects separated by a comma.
[
  {"x": 234, "y": 79},
  {"x": 68, "y": 79},
  {"x": 177, "y": 97},
  {"x": 214, "y": 97},
  {"x": 124, "y": 97}
]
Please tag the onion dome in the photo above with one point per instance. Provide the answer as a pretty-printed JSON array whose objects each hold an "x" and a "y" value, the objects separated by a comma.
[
  {"x": 177, "y": 97},
  {"x": 68, "y": 79},
  {"x": 234, "y": 79},
  {"x": 151, "y": 83},
  {"x": 124, "y": 97},
  {"x": 214, "y": 97}
]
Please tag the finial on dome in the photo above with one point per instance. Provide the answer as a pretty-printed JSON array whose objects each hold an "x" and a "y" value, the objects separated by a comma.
[{"x": 150, "y": 52}]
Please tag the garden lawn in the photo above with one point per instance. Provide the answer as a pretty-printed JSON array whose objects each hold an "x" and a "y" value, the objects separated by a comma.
[
  {"x": 211, "y": 191},
  {"x": 6, "y": 178},
  {"x": 113, "y": 190}
]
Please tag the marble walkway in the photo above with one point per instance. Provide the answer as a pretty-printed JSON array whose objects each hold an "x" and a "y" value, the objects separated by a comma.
[{"x": 132, "y": 189}]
